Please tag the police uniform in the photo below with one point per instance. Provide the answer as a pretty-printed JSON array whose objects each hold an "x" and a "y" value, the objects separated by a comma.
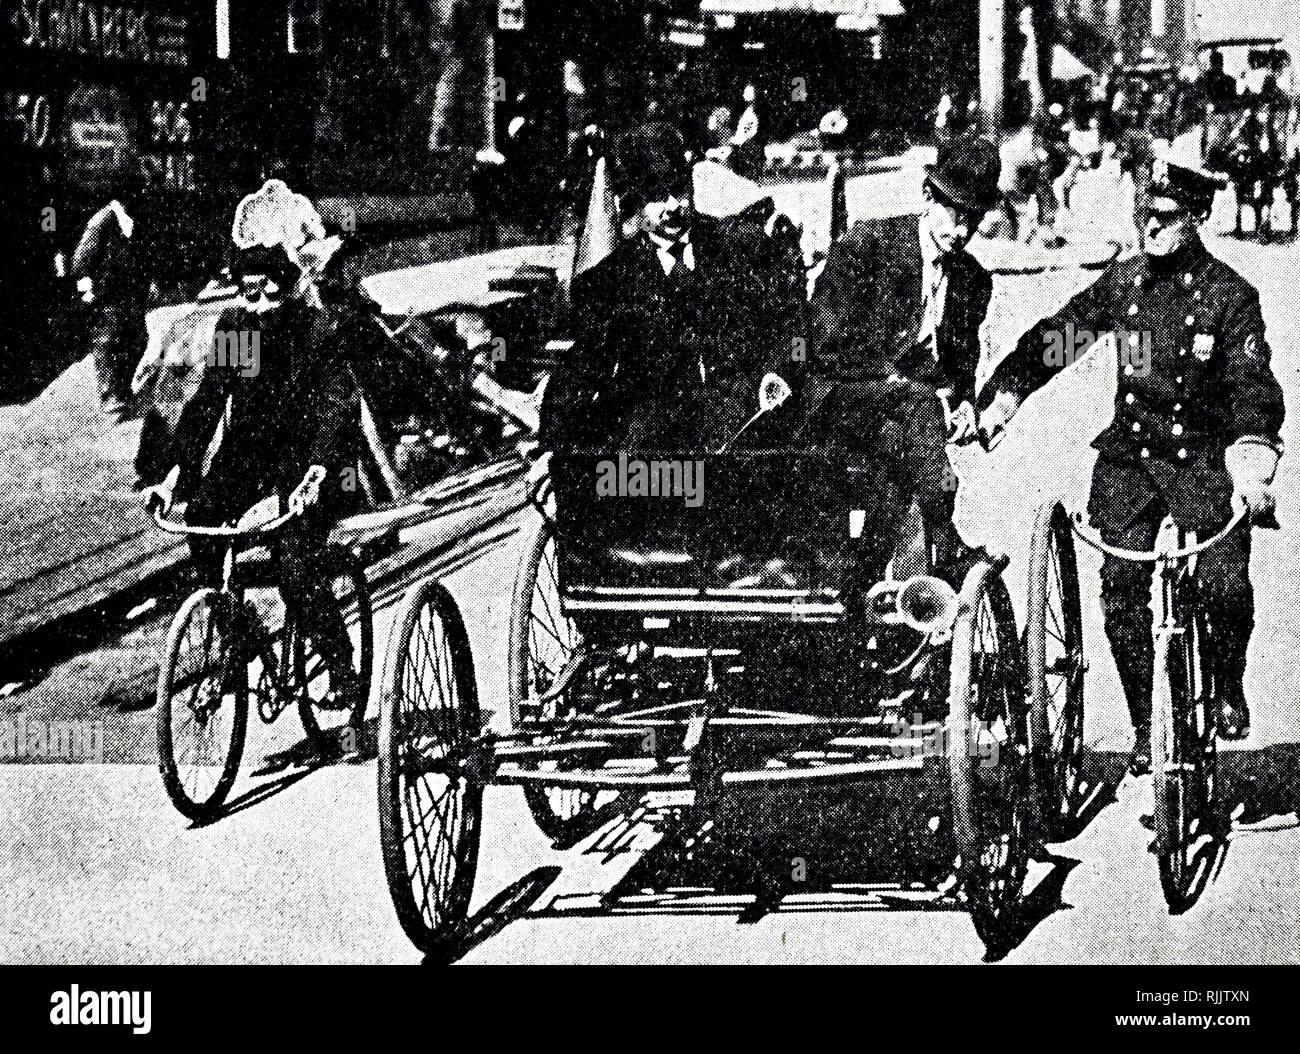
[{"x": 1194, "y": 378}]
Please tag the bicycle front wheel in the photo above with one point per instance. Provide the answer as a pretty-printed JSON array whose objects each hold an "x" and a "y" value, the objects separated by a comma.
[
  {"x": 1183, "y": 763},
  {"x": 203, "y": 703}
]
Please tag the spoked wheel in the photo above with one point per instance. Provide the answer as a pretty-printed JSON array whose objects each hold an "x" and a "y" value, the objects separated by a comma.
[
  {"x": 431, "y": 768},
  {"x": 542, "y": 642},
  {"x": 1189, "y": 829},
  {"x": 988, "y": 755},
  {"x": 322, "y": 711},
  {"x": 203, "y": 703},
  {"x": 1055, "y": 666}
]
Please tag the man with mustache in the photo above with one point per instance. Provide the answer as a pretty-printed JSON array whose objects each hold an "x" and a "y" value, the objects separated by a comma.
[{"x": 1195, "y": 432}]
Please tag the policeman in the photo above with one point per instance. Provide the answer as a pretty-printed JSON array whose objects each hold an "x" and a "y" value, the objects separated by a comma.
[{"x": 1195, "y": 430}]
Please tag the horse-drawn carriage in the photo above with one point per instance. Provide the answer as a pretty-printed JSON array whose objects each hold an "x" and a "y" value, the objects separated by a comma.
[{"x": 731, "y": 649}]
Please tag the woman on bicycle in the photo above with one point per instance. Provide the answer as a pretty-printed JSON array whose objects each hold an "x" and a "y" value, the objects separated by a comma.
[{"x": 277, "y": 412}]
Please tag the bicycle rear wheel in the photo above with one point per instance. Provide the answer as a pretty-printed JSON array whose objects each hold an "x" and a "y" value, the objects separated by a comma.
[
  {"x": 1184, "y": 762},
  {"x": 202, "y": 710},
  {"x": 324, "y": 716}
]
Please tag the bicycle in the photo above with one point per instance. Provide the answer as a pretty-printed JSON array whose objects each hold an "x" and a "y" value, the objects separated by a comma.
[
  {"x": 219, "y": 650},
  {"x": 1189, "y": 822}
]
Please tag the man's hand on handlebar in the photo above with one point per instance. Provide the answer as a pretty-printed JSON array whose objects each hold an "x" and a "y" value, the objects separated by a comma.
[
  {"x": 158, "y": 499},
  {"x": 308, "y": 491},
  {"x": 1260, "y": 504},
  {"x": 963, "y": 427},
  {"x": 996, "y": 416}
]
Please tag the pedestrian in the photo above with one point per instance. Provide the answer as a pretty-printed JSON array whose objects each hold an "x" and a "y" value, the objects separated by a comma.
[
  {"x": 112, "y": 276},
  {"x": 1195, "y": 430}
]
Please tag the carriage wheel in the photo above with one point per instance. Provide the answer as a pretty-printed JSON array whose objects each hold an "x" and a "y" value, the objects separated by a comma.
[
  {"x": 202, "y": 703},
  {"x": 431, "y": 768},
  {"x": 322, "y": 717},
  {"x": 988, "y": 754},
  {"x": 542, "y": 641},
  {"x": 1183, "y": 763},
  {"x": 1055, "y": 666}
]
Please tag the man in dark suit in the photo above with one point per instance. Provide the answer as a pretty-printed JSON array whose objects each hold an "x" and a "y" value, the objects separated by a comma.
[
  {"x": 902, "y": 295},
  {"x": 677, "y": 326},
  {"x": 897, "y": 315}
]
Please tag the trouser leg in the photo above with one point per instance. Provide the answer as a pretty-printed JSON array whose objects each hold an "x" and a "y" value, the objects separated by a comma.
[
  {"x": 308, "y": 589},
  {"x": 1126, "y": 610},
  {"x": 1228, "y": 599}
]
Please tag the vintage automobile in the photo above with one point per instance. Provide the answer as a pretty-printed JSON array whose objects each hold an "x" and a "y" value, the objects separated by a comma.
[{"x": 655, "y": 654}]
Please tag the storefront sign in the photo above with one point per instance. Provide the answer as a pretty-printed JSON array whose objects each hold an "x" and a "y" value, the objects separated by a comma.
[{"x": 129, "y": 32}]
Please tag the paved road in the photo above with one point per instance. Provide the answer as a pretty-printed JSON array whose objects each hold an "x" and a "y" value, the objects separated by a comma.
[{"x": 103, "y": 870}]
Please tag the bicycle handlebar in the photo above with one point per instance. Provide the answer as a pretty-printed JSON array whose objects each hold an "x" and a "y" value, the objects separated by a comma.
[
  {"x": 1138, "y": 556},
  {"x": 173, "y": 527}
]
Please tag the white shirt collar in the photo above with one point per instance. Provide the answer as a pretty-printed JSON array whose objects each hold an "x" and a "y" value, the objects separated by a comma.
[{"x": 664, "y": 250}]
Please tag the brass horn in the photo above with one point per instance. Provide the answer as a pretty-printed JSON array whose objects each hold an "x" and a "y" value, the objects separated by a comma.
[{"x": 926, "y": 604}]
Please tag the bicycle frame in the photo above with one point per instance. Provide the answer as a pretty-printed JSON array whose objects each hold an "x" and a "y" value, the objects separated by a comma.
[{"x": 279, "y": 669}]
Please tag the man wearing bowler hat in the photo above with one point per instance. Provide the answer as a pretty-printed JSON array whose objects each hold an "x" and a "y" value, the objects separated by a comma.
[
  {"x": 676, "y": 327},
  {"x": 1195, "y": 432},
  {"x": 904, "y": 296},
  {"x": 896, "y": 324}
]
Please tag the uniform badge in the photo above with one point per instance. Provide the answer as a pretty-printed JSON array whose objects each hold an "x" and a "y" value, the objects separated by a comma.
[{"x": 1203, "y": 346}]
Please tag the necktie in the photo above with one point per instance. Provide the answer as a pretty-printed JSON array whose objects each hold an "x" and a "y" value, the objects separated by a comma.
[
  {"x": 931, "y": 293},
  {"x": 679, "y": 269}
]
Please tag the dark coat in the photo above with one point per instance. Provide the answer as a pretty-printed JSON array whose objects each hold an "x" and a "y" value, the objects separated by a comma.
[
  {"x": 868, "y": 305},
  {"x": 660, "y": 363},
  {"x": 1195, "y": 377},
  {"x": 296, "y": 407}
]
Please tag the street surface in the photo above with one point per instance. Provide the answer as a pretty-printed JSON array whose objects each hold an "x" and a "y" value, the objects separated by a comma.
[{"x": 100, "y": 868}]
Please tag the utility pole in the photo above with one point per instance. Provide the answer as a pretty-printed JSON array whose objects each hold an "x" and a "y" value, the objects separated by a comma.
[{"x": 993, "y": 61}]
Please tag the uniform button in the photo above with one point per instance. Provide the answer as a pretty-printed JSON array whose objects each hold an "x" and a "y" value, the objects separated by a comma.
[
  {"x": 1129, "y": 398},
  {"x": 1135, "y": 339},
  {"x": 1137, "y": 426},
  {"x": 1191, "y": 320},
  {"x": 1177, "y": 407},
  {"x": 1187, "y": 279},
  {"x": 1182, "y": 352},
  {"x": 1182, "y": 453},
  {"x": 1146, "y": 452},
  {"x": 1177, "y": 430},
  {"x": 1196, "y": 294},
  {"x": 1137, "y": 279},
  {"x": 1132, "y": 309},
  {"x": 1128, "y": 370},
  {"x": 1178, "y": 380}
]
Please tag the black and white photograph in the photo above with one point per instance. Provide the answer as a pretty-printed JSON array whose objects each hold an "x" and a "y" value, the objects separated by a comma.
[{"x": 651, "y": 482}]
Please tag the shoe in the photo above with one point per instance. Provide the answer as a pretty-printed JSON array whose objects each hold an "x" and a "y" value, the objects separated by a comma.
[{"x": 1139, "y": 764}]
